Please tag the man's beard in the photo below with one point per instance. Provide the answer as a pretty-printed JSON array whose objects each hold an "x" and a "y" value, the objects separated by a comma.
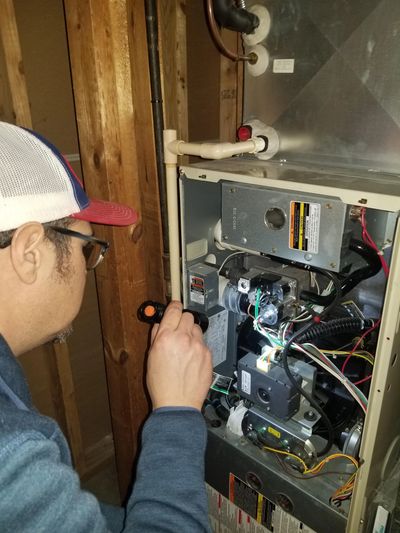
[{"x": 63, "y": 335}]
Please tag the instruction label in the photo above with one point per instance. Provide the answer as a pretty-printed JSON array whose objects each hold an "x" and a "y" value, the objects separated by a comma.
[
  {"x": 283, "y": 66},
  {"x": 304, "y": 226}
]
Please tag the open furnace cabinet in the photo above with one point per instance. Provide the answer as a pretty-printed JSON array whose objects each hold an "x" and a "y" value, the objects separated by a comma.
[{"x": 260, "y": 244}]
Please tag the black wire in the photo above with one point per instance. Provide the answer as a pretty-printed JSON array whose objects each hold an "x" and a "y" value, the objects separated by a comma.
[{"x": 284, "y": 359}]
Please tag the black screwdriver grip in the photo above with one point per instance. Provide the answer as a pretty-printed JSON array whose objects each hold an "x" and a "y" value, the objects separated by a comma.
[{"x": 152, "y": 312}]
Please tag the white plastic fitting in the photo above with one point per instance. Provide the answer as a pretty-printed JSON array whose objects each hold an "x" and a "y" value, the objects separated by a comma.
[
  {"x": 216, "y": 150},
  {"x": 262, "y": 63},
  {"x": 259, "y": 128},
  {"x": 261, "y": 32}
]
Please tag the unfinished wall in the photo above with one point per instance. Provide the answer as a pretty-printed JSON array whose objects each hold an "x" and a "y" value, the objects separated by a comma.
[{"x": 41, "y": 28}]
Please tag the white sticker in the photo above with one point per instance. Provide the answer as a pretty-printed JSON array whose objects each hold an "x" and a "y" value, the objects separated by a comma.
[
  {"x": 381, "y": 519},
  {"x": 246, "y": 382},
  {"x": 283, "y": 66},
  {"x": 216, "y": 336}
]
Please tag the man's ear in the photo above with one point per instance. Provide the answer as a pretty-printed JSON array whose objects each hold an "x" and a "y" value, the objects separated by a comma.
[{"x": 26, "y": 251}]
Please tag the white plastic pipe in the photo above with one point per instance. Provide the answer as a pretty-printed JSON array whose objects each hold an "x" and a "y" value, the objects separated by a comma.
[
  {"x": 171, "y": 162},
  {"x": 173, "y": 148},
  {"x": 217, "y": 150}
]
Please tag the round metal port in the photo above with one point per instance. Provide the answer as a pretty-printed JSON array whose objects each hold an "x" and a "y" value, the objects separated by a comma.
[
  {"x": 254, "y": 481},
  {"x": 284, "y": 502},
  {"x": 275, "y": 218}
]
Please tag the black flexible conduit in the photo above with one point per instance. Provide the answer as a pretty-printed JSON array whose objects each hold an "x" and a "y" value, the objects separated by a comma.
[
  {"x": 284, "y": 358},
  {"x": 337, "y": 326},
  {"x": 157, "y": 105},
  {"x": 371, "y": 269}
]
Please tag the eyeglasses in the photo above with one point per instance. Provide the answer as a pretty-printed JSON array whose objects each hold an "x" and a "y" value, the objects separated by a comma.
[{"x": 94, "y": 250}]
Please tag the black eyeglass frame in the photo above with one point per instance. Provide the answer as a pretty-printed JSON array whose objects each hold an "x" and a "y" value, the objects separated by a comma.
[
  {"x": 70, "y": 233},
  {"x": 105, "y": 245}
]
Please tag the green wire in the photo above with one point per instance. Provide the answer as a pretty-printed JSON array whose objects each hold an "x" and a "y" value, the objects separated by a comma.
[{"x": 256, "y": 308}]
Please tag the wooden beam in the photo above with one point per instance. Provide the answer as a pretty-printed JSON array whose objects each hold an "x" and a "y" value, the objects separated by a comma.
[
  {"x": 173, "y": 64},
  {"x": 231, "y": 92},
  {"x": 15, "y": 67},
  {"x": 107, "y": 42}
]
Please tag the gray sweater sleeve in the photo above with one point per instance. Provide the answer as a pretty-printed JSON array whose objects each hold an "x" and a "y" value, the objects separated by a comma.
[
  {"x": 169, "y": 494},
  {"x": 39, "y": 493}
]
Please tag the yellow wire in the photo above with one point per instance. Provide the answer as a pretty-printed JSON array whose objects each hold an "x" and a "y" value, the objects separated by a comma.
[
  {"x": 320, "y": 465},
  {"x": 356, "y": 354},
  {"x": 282, "y": 452}
]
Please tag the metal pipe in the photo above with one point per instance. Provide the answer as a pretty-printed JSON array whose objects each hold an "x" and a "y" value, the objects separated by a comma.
[{"x": 158, "y": 115}]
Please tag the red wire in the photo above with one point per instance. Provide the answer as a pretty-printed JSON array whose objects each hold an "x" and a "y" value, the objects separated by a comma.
[
  {"x": 368, "y": 240},
  {"x": 363, "y": 380},
  {"x": 358, "y": 344}
]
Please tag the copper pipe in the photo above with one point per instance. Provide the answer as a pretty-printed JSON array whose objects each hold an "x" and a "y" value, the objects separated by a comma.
[{"x": 217, "y": 37}]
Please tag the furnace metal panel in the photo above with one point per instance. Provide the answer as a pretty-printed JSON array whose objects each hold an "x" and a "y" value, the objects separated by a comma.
[{"x": 245, "y": 212}]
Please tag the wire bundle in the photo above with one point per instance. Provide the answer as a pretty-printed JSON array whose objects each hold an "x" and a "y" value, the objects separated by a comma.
[{"x": 344, "y": 491}]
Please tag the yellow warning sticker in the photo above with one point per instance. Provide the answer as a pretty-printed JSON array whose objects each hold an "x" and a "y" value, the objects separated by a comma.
[{"x": 304, "y": 226}]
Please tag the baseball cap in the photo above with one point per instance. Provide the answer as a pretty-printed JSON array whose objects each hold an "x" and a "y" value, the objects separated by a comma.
[{"x": 38, "y": 184}]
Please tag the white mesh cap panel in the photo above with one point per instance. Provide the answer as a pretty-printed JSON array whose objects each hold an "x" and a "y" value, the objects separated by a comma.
[{"x": 34, "y": 185}]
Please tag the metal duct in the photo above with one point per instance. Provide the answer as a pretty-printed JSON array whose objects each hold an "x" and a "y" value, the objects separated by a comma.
[{"x": 332, "y": 86}]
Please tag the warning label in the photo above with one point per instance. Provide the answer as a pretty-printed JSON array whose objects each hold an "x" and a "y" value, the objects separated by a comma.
[
  {"x": 304, "y": 226},
  {"x": 248, "y": 511},
  {"x": 197, "y": 290}
]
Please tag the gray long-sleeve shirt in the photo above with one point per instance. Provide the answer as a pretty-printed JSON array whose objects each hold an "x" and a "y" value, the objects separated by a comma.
[{"x": 40, "y": 491}]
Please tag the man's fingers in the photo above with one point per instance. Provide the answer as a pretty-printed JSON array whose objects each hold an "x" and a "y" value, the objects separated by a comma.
[
  {"x": 154, "y": 330},
  {"x": 172, "y": 316}
]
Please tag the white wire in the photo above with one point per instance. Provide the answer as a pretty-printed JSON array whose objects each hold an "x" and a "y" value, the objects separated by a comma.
[
  {"x": 227, "y": 259},
  {"x": 314, "y": 281},
  {"x": 337, "y": 374}
]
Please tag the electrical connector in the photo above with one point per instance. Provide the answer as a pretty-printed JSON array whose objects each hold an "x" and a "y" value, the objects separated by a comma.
[{"x": 267, "y": 357}]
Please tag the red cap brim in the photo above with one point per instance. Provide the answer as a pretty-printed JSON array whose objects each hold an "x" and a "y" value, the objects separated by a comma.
[{"x": 110, "y": 213}]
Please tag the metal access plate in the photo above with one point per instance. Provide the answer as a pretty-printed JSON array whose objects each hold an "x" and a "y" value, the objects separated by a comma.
[{"x": 300, "y": 227}]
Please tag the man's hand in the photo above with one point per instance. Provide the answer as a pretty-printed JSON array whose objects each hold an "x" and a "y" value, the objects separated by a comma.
[{"x": 179, "y": 367}]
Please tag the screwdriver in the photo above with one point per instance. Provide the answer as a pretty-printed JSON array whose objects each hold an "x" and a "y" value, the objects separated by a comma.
[{"x": 152, "y": 313}]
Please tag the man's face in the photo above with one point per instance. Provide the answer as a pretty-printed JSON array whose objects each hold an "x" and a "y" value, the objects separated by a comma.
[{"x": 66, "y": 285}]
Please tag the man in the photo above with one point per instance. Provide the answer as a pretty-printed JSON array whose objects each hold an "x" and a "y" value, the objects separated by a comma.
[{"x": 46, "y": 247}]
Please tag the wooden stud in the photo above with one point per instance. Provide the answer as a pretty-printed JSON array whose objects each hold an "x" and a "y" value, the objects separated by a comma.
[
  {"x": 173, "y": 66},
  {"x": 107, "y": 43},
  {"x": 15, "y": 68},
  {"x": 231, "y": 79},
  {"x": 58, "y": 354}
]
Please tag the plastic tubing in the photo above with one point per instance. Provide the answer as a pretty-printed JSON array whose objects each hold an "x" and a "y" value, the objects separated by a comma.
[
  {"x": 171, "y": 161},
  {"x": 216, "y": 150}
]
